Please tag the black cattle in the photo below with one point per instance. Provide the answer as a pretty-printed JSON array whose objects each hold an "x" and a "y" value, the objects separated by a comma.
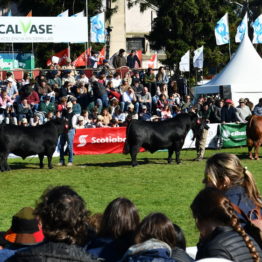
[
  {"x": 26, "y": 141},
  {"x": 152, "y": 136}
]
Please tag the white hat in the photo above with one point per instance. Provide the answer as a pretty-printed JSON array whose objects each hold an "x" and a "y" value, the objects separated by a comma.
[
  {"x": 80, "y": 118},
  {"x": 69, "y": 105},
  {"x": 100, "y": 117},
  {"x": 131, "y": 106},
  {"x": 24, "y": 121}
]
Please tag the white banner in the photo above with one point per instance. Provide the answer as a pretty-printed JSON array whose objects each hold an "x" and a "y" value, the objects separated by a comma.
[{"x": 17, "y": 29}]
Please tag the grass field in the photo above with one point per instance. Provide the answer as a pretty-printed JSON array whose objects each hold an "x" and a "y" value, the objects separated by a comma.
[{"x": 153, "y": 186}]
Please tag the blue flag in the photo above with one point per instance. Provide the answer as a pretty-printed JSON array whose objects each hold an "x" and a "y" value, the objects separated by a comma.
[
  {"x": 242, "y": 29},
  {"x": 222, "y": 31},
  {"x": 98, "y": 28},
  {"x": 257, "y": 26}
]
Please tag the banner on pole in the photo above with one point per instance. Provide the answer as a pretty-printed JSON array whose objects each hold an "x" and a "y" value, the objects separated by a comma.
[
  {"x": 17, "y": 29},
  {"x": 233, "y": 135}
]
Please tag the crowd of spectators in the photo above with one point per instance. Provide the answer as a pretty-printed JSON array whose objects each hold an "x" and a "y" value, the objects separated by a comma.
[
  {"x": 61, "y": 228},
  {"x": 107, "y": 100}
]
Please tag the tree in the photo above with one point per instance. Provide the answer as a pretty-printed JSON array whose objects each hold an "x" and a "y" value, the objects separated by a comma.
[{"x": 183, "y": 25}]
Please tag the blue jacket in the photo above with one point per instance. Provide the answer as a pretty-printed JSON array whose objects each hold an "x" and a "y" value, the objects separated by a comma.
[
  {"x": 111, "y": 250},
  {"x": 152, "y": 250}
]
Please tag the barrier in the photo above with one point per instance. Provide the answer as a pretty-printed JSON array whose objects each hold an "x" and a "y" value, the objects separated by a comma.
[{"x": 92, "y": 141}]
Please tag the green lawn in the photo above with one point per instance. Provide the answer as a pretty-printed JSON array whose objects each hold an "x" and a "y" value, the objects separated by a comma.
[{"x": 154, "y": 185}]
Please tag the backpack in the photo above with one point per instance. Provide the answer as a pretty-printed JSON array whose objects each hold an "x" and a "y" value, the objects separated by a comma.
[{"x": 254, "y": 222}]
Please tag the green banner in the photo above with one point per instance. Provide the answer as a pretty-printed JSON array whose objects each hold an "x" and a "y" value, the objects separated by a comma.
[
  {"x": 233, "y": 135},
  {"x": 10, "y": 61}
]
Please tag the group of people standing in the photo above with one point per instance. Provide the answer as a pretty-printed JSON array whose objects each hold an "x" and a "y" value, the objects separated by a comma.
[{"x": 60, "y": 228}]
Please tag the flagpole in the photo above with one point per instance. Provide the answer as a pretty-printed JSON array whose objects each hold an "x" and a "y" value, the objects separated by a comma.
[
  {"x": 229, "y": 42},
  {"x": 87, "y": 44},
  {"x": 13, "y": 55}
]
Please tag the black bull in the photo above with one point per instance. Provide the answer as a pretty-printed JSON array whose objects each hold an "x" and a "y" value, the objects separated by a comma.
[
  {"x": 26, "y": 141},
  {"x": 152, "y": 136}
]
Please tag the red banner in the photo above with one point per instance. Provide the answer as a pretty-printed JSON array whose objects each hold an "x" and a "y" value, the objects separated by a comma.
[{"x": 93, "y": 141}]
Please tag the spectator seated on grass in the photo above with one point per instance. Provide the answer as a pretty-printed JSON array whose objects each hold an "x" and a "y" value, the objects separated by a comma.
[
  {"x": 25, "y": 232},
  {"x": 156, "y": 240},
  {"x": 119, "y": 222},
  {"x": 63, "y": 216},
  {"x": 221, "y": 234}
]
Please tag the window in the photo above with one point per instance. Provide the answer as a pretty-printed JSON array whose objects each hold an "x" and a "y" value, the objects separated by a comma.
[{"x": 136, "y": 44}]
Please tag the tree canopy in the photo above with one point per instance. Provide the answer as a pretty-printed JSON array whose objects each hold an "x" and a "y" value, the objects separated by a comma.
[{"x": 183, "y": 25}]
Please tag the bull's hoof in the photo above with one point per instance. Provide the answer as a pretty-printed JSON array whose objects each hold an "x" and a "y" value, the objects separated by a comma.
[
  {"x": 134, "y": 164},
  {"x": 169, "y": 161},
  {"x": 178, "y": 162},
  {"x": 42, "y": 166},
  {"x": 50, "y": 167}
]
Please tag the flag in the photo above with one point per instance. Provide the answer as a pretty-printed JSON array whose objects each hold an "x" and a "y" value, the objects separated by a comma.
[
  {"x": 152, "y": 63},
  {"x": 83, "y": 59},
  {"x": 257, "y": 26},
  {"x": 9, "y": 12},
  {"x": 80, "y": 14},
  {"x": 184, "y": 65},
  {"x": 198, "y": 58},
  {"x": 63, "y": 55},
  {"x": 222, "y": 31},
  {"x": 64, "y": 14},
  {"x": 30, "y": 13},
  {"x": 102, "y": 55},
  {"x": 98, "y": 28},
  {"x": 242, "y": 29},
  {"x": 140, "y": 57}
]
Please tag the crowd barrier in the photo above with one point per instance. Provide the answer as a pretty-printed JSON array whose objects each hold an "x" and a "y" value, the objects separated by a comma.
[
  {"x": 95, "y": 141},
  {"x": 111, "y": 140}
]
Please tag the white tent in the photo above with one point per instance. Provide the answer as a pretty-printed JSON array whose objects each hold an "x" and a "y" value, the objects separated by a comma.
[{"x": 242, "y": 75}]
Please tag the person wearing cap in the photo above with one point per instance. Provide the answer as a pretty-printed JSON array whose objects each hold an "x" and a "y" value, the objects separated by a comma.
[
  {"x": 80, "y": 122},
  {"x": 201, "y": 137},
  {"x": 76, "y": 106},
  {"x": 119, "y": 60},
  {"x": 23, "y": 111},
  {"x": 25, "y": 231},
  {"x": 82, "y": 78},
  {"x": 68, "y": 136},
  {"x": 258, "y": 108},
  {"x": 68, "y": 77},
  {"x": 243, "y": 111},
  {"x": 132, "y": 59},
  {"x": 145, "y": 115},
  {"x": 68, "y": 65},
  {"x": 11, "y": 89},
  {"x": 131, "y": 113},
  {"x": 46, "y": 105},
  {"x": 63, "y": 215},
  {"x": 228, "y": 112}
]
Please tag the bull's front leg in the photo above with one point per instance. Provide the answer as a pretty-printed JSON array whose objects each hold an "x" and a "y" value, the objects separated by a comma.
[
  {"x": 170, "y": 153},
  {"x": 250, "y": 145},
  {"x": 133, "y": 153},
  {"x": 41, "y": 158}
]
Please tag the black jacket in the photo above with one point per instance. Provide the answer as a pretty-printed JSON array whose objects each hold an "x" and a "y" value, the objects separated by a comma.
[
  {"x": 52, "y": 252},
  {"x": 226, "y": 243}
]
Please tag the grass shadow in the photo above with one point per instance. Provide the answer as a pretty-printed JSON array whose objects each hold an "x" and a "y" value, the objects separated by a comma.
[{"x": 23, "y": 165}]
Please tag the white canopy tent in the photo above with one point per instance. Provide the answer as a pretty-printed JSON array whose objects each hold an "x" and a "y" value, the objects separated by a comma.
[{"x": 242, "y": 76}]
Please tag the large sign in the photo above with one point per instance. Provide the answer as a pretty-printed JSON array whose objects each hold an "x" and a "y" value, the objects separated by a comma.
[
  {"x": 15, "y": 29},
  {"x": 233, "y": 135}
]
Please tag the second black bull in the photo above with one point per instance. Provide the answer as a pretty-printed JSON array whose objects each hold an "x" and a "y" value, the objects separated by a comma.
[{"x": 152, "y": 136}]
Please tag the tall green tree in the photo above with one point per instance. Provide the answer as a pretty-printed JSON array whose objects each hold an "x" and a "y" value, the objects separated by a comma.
[{"x": 183, "y": 25}]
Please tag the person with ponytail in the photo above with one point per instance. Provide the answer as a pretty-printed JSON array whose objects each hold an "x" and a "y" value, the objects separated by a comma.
[
  {"x": 221, "y": 234},
  {"x": 225, "y": 172}
]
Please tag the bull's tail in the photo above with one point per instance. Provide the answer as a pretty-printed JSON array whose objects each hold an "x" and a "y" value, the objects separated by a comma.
[{"x": 126, "y": 148}]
